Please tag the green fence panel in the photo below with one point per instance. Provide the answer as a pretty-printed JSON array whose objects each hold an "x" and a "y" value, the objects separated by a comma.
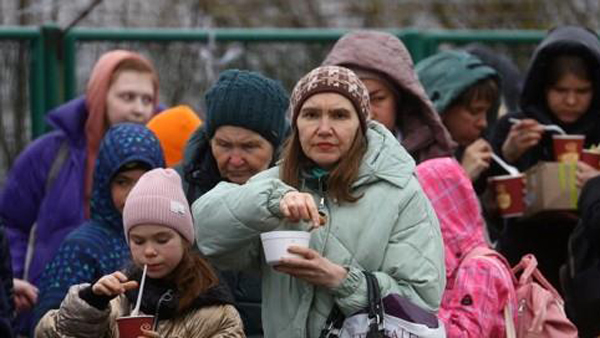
[
  {"x": 54, "y": 53},
  {"x": 36, "y": 64}
]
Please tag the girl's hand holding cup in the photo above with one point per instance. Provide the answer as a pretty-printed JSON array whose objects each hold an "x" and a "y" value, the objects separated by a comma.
[
  {"x": 150, "y": 334},
  {"x": 113, "y": 285}
]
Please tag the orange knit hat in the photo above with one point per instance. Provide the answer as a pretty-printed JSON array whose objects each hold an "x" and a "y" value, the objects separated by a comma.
[{"x": 173, "y": 127}]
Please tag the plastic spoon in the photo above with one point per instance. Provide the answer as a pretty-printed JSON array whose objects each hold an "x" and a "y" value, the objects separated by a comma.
[
  {"x": 136, "y": 310},
  {"x": 547, "y": 127},
  {"x": 511, "y": 170}
]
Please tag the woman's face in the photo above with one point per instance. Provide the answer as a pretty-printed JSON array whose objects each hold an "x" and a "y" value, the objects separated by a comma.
[
  {"x": 327, "y": 125},
  {"x": 240, "y": 153},
  {"x": 130, "y": 98},
  {"x": 160, "y": 247},
  {"x": 383, "y": 103},
  {"x": 569, "y": 98}
]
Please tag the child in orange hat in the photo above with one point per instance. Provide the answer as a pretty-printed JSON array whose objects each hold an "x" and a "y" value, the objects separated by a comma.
[{"x": 173, "y": 127}]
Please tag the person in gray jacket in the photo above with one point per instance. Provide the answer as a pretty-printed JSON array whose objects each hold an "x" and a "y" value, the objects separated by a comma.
[{"x": 336, "y": 169}]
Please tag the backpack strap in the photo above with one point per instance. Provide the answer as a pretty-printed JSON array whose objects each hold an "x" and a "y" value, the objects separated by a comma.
[
  {"x": 509, "y": 322},
  {"x": 57, "y": 164},
  {"x": 478, "y": 251}
]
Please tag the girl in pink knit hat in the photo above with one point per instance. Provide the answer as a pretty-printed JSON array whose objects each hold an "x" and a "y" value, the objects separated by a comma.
[{"x": 181, "y": 290}]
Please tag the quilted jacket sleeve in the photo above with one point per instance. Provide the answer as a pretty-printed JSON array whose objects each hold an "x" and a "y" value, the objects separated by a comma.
[
  {"x": 75, "y": 318},
  {"x": 219, "y": 321},
  {"x": 230, "y": 218}
]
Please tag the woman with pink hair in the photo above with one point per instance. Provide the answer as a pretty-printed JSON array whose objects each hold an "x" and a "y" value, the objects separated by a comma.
[{"x": 48, "y": 189}]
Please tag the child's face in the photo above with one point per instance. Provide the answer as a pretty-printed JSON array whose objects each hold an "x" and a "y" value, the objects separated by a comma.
[
  {"x": 466, "y": 122},
  {"x": 130, "y": 98},
  {"x": 569, "y": 98},
  {"x": 158, "y": 246},
  {"x": 121, "y": 185}
]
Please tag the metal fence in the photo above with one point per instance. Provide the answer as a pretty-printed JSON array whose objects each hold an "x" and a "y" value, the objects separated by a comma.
[
  {"x": 52, "y": 66},
  {"x": 54, "y": 55}
]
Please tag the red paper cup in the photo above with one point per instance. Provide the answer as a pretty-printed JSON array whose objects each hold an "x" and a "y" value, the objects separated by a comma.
[
  {"x": 509, "y": 191},
  {"x": 592, "y": 158},
  {"x": 131, "y": 327},
  {"x": 567, "y": 148}
]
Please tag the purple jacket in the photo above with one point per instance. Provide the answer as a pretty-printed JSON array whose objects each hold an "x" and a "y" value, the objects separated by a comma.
[{"x": 25, "y": 201}]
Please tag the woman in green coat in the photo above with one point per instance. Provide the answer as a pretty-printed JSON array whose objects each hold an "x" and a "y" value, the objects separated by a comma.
[{"x": 352, "y": 171}]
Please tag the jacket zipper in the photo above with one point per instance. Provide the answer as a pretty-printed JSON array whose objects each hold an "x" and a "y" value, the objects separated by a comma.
[{"x": 323, "y": 206}]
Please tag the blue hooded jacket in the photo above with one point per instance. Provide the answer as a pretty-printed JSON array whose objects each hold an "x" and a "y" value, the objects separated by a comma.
[{"x": 98, "y": 247}]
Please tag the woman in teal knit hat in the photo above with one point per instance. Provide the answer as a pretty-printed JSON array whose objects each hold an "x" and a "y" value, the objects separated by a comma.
[
  {"x": 465, "y": 92},
  {"x": 244, "y": 128}
]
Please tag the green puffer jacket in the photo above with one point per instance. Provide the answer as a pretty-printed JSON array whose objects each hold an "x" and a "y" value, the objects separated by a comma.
[{"x": 392, "y": 230}]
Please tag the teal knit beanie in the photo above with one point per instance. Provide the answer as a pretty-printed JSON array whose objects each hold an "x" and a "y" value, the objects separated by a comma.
[
  {"x": 447, "y": 74},
  {"x": 248, "y": 100}
]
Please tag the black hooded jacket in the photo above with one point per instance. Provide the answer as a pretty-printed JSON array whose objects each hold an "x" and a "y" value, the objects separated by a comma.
[
  {"x": 581, "y": 276},
  {"x": 563, "y": 40}
]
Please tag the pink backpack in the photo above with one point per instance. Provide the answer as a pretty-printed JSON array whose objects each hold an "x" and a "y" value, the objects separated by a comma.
[{"x": 541, "y": 311}]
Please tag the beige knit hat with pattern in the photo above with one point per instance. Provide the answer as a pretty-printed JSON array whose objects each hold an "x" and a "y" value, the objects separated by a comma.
[{"x": 332, "y": 79}]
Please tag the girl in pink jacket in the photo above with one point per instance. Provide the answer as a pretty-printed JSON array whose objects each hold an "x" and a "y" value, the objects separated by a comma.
[{"x": 478, "y": 289}]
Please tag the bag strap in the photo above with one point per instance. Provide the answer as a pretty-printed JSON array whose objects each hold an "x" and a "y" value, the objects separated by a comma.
[
  {"x": 57, "y": 164},
  {"x": 376, "y": 312},
  {"x": 529, "y": 264},
  {"x": 333, "y": 324},
  {"x": 509, "y": 323}
]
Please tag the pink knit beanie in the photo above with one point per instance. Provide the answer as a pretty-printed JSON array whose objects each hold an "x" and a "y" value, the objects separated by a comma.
[{"x": 158, "y": 199}]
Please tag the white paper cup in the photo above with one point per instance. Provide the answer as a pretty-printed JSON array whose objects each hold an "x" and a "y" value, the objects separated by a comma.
[{"x": 276, "y": 244}]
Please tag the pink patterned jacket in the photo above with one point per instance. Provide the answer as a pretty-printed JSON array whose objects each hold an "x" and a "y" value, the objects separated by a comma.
[{"x": 478, "y": 289}]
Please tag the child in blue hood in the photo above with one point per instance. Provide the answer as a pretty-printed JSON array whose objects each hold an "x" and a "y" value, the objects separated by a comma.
[{"x": 98, "y": 246}]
